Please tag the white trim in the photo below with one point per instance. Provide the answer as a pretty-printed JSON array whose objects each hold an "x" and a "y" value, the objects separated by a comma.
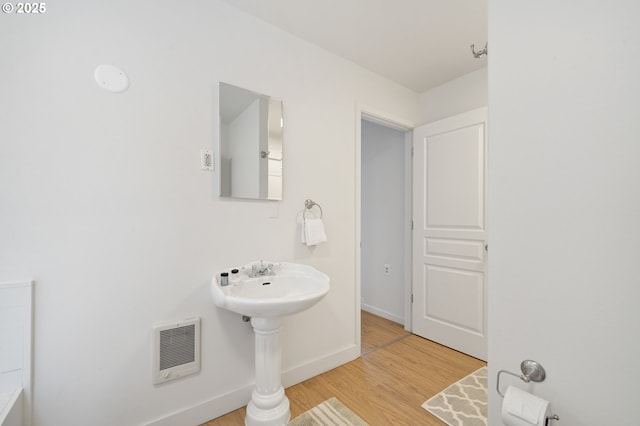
[
  {"x": 408, "y": 231},
  {"x": 381, "y": 313},
  {"x": 222, "y": 404},
  {"x": 376, "y": 116},
  {"x": 13, "y": 284},
  {"x": 11, "y": 408},
  {"x": 382, "y": 118},
  {"x": 26, "y": 296},
  {"x": 205, "y": 411},
  {"x": 358, "y": 223},
  {"x": 317, "y": 366}
]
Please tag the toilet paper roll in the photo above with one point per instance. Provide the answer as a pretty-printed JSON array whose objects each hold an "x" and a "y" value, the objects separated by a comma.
[{"x": 520, "y": 408}]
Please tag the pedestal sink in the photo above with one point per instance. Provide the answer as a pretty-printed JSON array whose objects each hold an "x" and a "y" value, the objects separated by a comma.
[{"x": 267, "y": 291}]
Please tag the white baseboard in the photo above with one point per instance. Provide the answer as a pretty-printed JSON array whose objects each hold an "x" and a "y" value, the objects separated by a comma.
[
  {"x": 208, "y": 410},
  {"x": 383, "y": 314},
  {"x": 317, "y": 366},
  {"x": 220, "y": 405}
]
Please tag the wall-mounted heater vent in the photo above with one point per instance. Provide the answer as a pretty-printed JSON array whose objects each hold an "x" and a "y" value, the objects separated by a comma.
[{"x": 176, "y": 350}]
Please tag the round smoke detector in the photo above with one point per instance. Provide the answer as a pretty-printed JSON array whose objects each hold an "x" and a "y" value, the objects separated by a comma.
[{"x": 111, "y": 78}]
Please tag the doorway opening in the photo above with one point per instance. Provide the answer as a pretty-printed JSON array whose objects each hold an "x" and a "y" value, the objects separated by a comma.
[{"x": 384, "y": 249}]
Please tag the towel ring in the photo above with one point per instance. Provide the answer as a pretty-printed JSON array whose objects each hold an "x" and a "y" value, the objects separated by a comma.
[{"x": 309, "y": 204}]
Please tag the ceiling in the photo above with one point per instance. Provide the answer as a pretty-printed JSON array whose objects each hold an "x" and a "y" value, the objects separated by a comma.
[{"x": 419, "y": 44}]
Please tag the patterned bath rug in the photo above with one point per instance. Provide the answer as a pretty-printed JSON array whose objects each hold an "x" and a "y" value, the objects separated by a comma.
[
  {"x": 464, "y": 403},
  {"x": 330, "y": 413}
]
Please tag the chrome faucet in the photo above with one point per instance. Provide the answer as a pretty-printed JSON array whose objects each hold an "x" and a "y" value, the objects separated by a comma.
[{"x": 262, "y": 269}]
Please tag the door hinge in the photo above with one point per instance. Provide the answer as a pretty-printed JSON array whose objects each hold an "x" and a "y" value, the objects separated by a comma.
[
  {"x": 412, "y": 225},
  {"x": 411, "y": 297}
]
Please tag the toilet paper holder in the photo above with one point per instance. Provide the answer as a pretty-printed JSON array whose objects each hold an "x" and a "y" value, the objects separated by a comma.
[{"x": 532, "y": 371}]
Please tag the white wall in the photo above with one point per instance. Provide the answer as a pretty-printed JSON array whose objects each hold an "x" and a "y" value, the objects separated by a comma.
[
  {"x": 383, "y": 220},
  {"x": 564, "y": 203},
  {"x": 454, "y": 97},
  {"x": 103, "y": 203}
]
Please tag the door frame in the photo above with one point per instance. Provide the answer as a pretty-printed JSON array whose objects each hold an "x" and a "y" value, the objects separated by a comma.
[{"x": 367, "y": 113}]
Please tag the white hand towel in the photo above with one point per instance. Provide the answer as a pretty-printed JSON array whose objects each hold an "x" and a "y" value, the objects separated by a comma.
[{"x": 313, "y": 232}]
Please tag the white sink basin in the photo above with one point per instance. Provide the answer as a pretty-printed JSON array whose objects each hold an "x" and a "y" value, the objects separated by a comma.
[
  {"x": 292, "y": 288},
  {"x": 282, "y": 289}
]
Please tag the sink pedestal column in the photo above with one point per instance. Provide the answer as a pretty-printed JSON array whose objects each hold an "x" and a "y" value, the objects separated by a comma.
[{"x": 268, "y": 405}]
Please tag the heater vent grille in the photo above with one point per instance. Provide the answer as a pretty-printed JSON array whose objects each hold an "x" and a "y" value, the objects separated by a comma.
[
  {"x": 177, "y": 346},
  {"x": 177, "y": 350}
]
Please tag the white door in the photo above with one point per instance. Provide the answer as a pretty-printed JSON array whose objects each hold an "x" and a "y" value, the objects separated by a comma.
[{"x": 449, "y": 232}]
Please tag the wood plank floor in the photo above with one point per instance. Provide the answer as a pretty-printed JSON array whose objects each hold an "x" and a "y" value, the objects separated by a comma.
[
  {"x": 378, "y": 331},
  {"x": 386, "y": 385}
]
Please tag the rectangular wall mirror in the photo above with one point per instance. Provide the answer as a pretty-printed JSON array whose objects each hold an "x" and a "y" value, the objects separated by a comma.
[{"x": 250, "y": 144}]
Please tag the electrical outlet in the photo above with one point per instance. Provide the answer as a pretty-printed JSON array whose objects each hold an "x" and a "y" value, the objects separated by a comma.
[
  {"x": 206, "y": 160},
  {"x": 387, "y": 269}
]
